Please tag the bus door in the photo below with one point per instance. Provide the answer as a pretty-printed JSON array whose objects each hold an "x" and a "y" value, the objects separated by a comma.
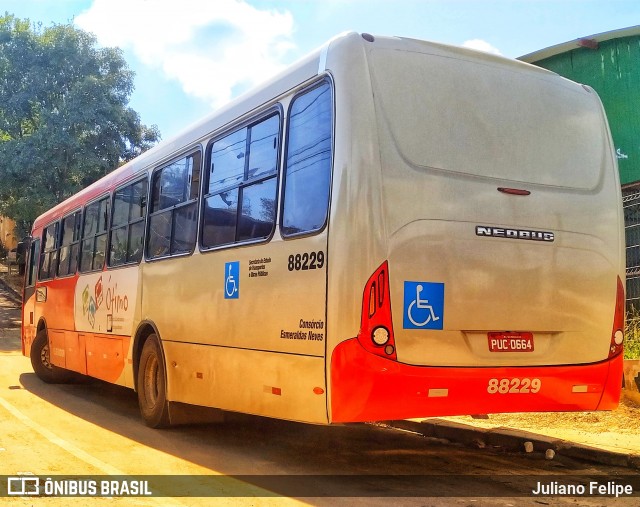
[
  {"x": 274, "y": 292},
  {"x": 304, "y": 216},
  {"x": 29, "y": 293},
  {"x": 270, "y": 293},
  {"x": 289, "y": 272}
]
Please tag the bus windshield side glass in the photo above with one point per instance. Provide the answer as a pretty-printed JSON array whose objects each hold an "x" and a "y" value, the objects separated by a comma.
[
  {"x": 240, "y": 204},
  {"x": 308, "y": 162},
  {"x": 173, "y": 214},
  {"x": 94, "y": 235}
]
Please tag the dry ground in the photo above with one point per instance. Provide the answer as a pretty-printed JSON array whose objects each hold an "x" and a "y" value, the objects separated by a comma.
[
  {"x": 617, "y": 430},
  {"x": 14, "y": 281},
  {"x": 624, "y": 420}
]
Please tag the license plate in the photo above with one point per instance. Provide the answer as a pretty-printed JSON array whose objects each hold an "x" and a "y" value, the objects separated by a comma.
[{"x": 510, "y": 342}]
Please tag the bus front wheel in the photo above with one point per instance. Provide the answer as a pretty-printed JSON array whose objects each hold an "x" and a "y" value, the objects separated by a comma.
[
  {"x": 41, "y": 361},
  {"x": 152, "y": 385}
]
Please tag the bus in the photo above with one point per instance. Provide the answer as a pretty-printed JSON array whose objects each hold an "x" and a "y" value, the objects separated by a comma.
[{"x": 389, "y": 229}]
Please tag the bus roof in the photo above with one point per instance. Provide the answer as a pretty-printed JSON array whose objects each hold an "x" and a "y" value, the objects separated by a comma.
[{"x": 299, "y": 72}]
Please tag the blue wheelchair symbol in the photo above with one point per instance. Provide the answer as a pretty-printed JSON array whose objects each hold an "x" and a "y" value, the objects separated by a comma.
[
  {"x": 232, "y": 280},
  {"x": 423, "y": 305}
]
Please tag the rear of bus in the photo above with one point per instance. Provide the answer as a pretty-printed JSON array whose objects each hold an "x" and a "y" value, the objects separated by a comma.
[{"x": 500, "y": 281}]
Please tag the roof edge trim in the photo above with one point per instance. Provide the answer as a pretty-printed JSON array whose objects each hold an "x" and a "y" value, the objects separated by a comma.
[{"x": 575, "y": 44}]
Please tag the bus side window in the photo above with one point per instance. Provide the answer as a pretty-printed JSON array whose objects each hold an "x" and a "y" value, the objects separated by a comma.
[
  {"x": 34, "y": 257},
  {"x": 127, "y": 224},
  {"x": 308, "y": 162},
  {"x": 70, "y": 244},
  {"x": 49, "y": 257},
  {"x": 94, "y": 235},
  {"x": 240, "y": 200},
  {"x": 173, "y": 216}
]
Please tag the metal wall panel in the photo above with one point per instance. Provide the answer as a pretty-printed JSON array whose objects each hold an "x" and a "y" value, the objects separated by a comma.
[{"x": 613, "y": 70}]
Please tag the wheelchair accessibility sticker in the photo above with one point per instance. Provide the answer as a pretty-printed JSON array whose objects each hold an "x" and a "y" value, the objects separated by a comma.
[
  {"x": 232, "y": 280},
  {"x": 423, "y": 305}
]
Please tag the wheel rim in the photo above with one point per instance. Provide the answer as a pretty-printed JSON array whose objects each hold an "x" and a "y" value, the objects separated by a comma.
[{"x": 45, "y": 358}]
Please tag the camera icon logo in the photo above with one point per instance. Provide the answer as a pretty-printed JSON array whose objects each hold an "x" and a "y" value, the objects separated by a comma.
[{"x": 23, "y": 486}]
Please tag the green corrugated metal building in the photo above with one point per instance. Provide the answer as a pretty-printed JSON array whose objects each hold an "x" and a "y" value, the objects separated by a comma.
[{"x": 610, "y": 63}]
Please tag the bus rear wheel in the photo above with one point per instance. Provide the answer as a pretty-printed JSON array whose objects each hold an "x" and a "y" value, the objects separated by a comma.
[
  {"x": 41, "y": 361},
  {"x": 152, "y": 385}
]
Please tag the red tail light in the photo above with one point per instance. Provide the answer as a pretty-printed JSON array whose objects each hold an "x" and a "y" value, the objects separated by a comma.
[
  {"x": 376, "y": 327},
  {"x": 617, "y": 334}
]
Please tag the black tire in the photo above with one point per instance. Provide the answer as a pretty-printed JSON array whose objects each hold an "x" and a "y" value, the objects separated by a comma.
[
  {"x": 152, "y": 385},
  {"x": 41, "y": 363}
]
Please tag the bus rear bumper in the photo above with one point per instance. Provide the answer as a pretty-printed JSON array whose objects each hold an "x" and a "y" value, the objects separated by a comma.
[{"x": 366, "y": 387}]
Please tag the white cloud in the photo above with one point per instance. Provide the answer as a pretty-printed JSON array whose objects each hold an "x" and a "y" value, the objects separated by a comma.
[
  {"x": 210, "y": 47},
  {"x": 482, "y": 45}
]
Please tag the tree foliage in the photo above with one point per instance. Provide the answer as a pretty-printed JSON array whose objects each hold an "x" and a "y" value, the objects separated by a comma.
[{"x": 64, "y": 119}]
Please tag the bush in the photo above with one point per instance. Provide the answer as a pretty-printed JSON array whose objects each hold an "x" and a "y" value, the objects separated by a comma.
[{"x": 632, "y": 334}]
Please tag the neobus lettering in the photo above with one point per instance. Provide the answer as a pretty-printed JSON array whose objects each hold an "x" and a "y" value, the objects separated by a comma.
[{"x": 499, "y": 232}]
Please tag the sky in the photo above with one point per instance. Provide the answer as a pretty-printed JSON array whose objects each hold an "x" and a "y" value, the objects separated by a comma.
[{"x": 193, "y": 56}]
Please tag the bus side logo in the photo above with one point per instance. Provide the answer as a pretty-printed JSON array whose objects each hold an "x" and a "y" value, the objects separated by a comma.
[
  {"x": 423, "y": 305},
  {"x": 232, "y": 280}
]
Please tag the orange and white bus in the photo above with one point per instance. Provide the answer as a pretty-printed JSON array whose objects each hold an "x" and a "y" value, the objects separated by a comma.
[{"x": 391, "y": 228}]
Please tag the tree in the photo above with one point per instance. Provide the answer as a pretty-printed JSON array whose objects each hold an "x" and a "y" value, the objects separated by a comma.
[{"x": 64, "y": 119}]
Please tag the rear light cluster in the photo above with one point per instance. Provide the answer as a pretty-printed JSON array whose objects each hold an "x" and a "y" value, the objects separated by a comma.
[
  {"x": 617, "y": 334},
  {"x": 376, "y": 328}
]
